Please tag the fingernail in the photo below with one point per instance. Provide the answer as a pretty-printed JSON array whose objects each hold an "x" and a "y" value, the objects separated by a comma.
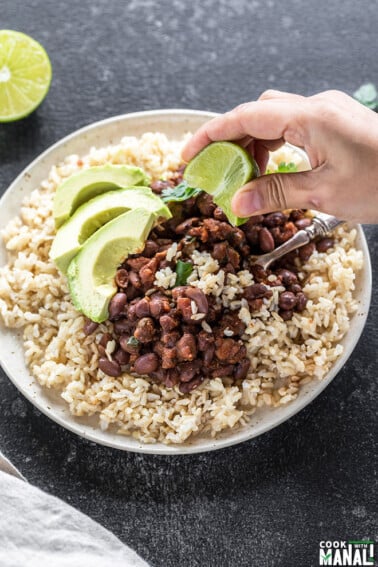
[{"x": 245, "y": 203}]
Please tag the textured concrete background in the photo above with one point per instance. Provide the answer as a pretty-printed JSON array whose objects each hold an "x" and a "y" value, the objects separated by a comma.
[{"x": 267, "y": 502}]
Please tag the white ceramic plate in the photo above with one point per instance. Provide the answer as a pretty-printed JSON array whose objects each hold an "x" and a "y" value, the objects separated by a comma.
[{"x": 174, "y": 123}]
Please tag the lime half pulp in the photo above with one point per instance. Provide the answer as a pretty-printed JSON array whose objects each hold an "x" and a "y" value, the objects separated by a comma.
[
  {"x": 25, "y": 75},
  {"x": 220, "y": 169}
]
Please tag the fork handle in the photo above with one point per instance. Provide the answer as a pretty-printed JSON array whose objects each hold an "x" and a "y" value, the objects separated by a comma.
[{"x": 299, "y": 239}]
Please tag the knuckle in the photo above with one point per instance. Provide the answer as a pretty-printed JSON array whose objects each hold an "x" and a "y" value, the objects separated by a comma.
[
  {"x": 325, "y": 110},
  {"x": 269, "y": 93},
  {"x": 241, "y": 108},
  {"x": 334, "y": 93}
]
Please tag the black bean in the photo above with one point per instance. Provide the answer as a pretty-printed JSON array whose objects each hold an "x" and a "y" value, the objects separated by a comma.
[
  {"x": 121, "y": 326},
  {"x": 168, "y": 322},
  {"x": 171, "y": 377},
  {"x": 297, "y": 214},
  {"x": 208, "y": 355},
  {"x": 186, "y": 347},
  {"x": 306, "y": 251},
  {"x": 187, "y": 370},
  {"x": 134, "y": 280},
  {"x": 286, "y": 315},
  {"x": 89, "y": 327},
  {"x": 301, "y": 302},
  {"x": 159, "y": 185},
  {"x": 287, "y": 277},
  {"x": 101, "y": 350},
  {"x": 199, "y": 299},
  {"x": 277, "y": 235},
  {"x": 159, "y": 305},
  {"x": 287, "y": 300},
  {"x": 142, "y": 308},
  {"x": 183, "y": 227},
  {"x": 117, "y": 304},
  {"x": 295, "y": 288},
  {"x": 219, "y": 214},
  {"x": 146, "y": 363},
  {"x": 122, "y": 278},
  {"x": 266, "y": 240},
  {"x": 127, "y": 346},
  {"x": 223, "y": 370},
  {"x": 324, "y": 244},
  {"x": 303, "y": 223},
  {"x": 186, "y": 387},
  {"x": 257, "y": 219},
  {"x": 109, "y": 367},
  {"x": 275, "y": 219},
  {"x": 241, "y": 369},
  {"x": 121, "y": 356},
  {"x": 252, "y": 234},
  {"x": 106, "y": 337},
  {"x": 258, "y": 272},
  {"x": 256, "y": 291},
  {"x": 150, "y": 249},
  {"x": 205, "y": 204},
  {"x": 132, "y": 293},
  {"x": 145, "y": 330}
]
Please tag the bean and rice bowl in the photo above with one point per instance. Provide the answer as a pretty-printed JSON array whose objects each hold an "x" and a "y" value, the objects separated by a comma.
[{"x": 282, "y": 354}]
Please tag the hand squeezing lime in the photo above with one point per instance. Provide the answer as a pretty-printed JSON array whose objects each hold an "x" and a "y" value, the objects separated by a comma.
[
  {"x": 220, "y": 169},
  {"x": 25, "y": 75}
]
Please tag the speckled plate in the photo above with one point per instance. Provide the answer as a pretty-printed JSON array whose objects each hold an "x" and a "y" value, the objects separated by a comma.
[{"x": 174, "y": 123}]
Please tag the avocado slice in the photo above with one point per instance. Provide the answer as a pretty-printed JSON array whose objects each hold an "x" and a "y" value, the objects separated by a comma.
[
  {"x": 92, "y": 271},
  {"x": 95, "y": 213},
  {"x": 86, "y": 184}
]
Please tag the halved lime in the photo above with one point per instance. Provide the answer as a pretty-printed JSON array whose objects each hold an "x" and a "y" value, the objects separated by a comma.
[
  {"x": 25, "y": 75},
  {"x": 220, "y": 169}
]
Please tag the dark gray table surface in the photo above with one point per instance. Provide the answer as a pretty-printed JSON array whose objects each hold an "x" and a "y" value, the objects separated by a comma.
[{"x": 267, "y": 502}]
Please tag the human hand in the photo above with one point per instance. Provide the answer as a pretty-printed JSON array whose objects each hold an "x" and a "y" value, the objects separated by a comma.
[{"x": 339, "y": 135}]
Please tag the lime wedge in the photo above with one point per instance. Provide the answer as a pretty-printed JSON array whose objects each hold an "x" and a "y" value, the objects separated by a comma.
[
  {"x": 25, "y": 75},
  {"x": 220, "y": 169}
]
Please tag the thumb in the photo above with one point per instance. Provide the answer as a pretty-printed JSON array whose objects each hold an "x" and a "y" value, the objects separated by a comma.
[{"x": 275, "y": 192}]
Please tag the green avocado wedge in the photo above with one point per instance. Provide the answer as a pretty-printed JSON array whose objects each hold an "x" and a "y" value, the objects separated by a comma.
[
  {"x": 88, "y": 183},
  {"x": 91, "y": 273},
  {"x": 91, "y": 216}
]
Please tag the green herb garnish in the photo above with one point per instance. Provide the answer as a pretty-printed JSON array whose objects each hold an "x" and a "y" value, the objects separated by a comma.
[
  {"x": 181, "y": 192},
  {"x": 133, "y": 341},
  {"x": 183, "y": 271},
  {"x": 367, "y": 95},
  {"x": 287, "y": 167},
  {"x": 284, "y": 167}
]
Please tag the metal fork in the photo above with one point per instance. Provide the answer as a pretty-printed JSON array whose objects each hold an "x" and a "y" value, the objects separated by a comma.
[{"x": 321, "y": 225}]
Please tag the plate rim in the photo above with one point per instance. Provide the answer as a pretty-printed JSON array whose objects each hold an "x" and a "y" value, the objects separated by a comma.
[{"x": 185, "y": 448}]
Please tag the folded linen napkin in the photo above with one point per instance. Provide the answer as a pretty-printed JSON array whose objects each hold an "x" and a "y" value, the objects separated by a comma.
[{"x": 39, "y": 530}]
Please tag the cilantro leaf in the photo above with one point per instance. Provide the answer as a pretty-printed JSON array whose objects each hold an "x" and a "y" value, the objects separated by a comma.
[
  {"x": 133, "y": 341},
  {"x": 367, "y": 95},
  {"x": 284, "y": 167},
  {"x": 183, "y": 271},
  {"x": 180, "y": 193},
  {"x": 287, "y": 167}
]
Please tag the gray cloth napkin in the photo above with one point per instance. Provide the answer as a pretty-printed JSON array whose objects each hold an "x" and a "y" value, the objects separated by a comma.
[{"x": 39, "y": 530}]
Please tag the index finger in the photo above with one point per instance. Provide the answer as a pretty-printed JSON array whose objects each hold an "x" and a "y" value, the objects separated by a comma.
[{"x": 262, "y": 119}]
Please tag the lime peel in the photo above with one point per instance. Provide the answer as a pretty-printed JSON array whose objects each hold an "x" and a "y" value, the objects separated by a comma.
[
  {"x": 25, "y": 75},
  {"x": 220, "y": 169}
]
